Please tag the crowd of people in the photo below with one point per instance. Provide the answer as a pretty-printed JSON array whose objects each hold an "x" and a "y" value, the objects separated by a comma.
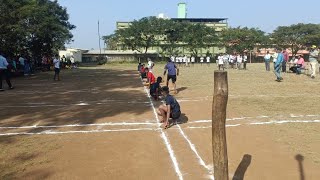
[
  {"x": 297, "y": 63},
  {"x": 223, "y": 61},
  {"x": 26, "y": 65},
  {"x": 171, "y": 109}
]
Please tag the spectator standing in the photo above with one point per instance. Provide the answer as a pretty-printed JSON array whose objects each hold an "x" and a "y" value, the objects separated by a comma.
[
  {"x": 208, "y": 60},
  {"x": 193, "y": 60},
  {"x": 267, "y": 59},
  {"x": 286, "y": 59},
  {"x": 239, "y": 61},
  {"x": 201, "y": 60},
  {"x": 56, "y": 63},
  {"x": 278, "y": 65},
  {"x": 313, "y": 59},
  {"x": 275, "y": 57},
  {"x": 245, "y": 60},
  {"x": 4, "y": 73}
]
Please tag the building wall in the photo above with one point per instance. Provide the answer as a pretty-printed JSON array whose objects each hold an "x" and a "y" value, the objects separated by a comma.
[{"x": 76, "y": 53}]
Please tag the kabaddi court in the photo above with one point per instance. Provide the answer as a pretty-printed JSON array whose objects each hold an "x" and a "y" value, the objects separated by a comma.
[{"x": 100, "y": 123}]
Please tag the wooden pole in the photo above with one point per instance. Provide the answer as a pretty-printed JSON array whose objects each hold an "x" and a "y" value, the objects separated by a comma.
[{"x": 219, "y": 142}]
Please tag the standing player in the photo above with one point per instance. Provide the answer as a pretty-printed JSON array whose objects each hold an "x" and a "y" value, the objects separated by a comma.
[{"x": 173, "y": 72}]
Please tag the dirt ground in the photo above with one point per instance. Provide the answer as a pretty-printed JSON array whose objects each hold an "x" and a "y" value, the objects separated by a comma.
[{"x": 99, "y": 123}]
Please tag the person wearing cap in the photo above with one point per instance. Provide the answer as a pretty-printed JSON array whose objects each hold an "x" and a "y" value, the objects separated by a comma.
[
  {"x": 313, "y": 59},
  {"x": 4, "y": 72}
]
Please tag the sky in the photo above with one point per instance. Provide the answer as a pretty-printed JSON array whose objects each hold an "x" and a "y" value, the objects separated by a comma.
[{"x": 265, "y": 15}]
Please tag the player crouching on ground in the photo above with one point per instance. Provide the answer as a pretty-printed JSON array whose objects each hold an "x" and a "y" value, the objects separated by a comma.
[
  {"x": 143, "y": 72},
  {"x": 150, "y": 78},
  {"x": 170, "y": 110},
  {"x": 155, "y": 89}
]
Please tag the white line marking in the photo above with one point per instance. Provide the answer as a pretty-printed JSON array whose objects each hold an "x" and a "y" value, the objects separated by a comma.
[
  {"x": 79, "y": 125},
  {"x": 48, "y": 132},
  {"x": 165, "y": 138},
  {"x": 193, "y": 148},
  {"x": 260, "y": 123},
  {"x": 285, "y": 122}
]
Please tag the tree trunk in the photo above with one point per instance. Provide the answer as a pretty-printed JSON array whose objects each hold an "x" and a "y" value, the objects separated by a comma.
[{"x": 219, "y": 142}]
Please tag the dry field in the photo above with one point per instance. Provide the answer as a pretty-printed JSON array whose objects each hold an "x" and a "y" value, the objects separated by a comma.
[{"x": 99, "y": 123}]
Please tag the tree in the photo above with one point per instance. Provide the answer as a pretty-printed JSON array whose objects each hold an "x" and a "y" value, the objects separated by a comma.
[
  {"x": 111, "y": 41},
  {"x": 297, "y": 36},
  {"x": 141, "y": 35},
  {"x": 243, "y": 39},
  {"x": 173, "y": 33},
  {"x": 35, "y": 26},
  {"x": 198, "y": 36}
]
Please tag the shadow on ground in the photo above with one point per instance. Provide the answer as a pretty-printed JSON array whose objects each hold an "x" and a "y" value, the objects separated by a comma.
[
  {"x": 242, "y": 168},
  {"x": 83, "y": 96}
]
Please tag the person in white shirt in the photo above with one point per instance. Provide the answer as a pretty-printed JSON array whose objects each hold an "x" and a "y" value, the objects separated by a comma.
[
  {"x": 201, "y": 60},
  {"x": 217, "y": 59},
  {"x": 73, "y": 62},
  {"x": 150, "y": 65},
  {"x": 267, "y": 59},
  {"x": 245, "y": 60},
  {"x": 4, "y": 73},
  {"x": 221, "y": 62},
  {"x": 188, "y": 61},
  {"x": 239, "y": 61},
  {"x": 173, "y": 58},
  {"x": 185, "y": 60},
  {"x": 226, "y": 61},
  {"x": 208, "y": 60},
  {"x": 233, "y": 61},
  {"x": 275, "y": 57},
  {"x": 56, "y": 63},
  {"x": 193, "y": 60}
]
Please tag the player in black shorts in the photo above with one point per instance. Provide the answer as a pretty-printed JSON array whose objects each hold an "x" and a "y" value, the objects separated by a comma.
[
  {"x": 173, "y": 72},
  {"x": 170, "y": 110}
]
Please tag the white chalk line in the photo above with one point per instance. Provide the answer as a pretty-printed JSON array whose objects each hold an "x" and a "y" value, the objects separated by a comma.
[
  {"x": 260, "y": 123},
  {"x": 193, "y": 148},
  {"x": 48, "y": 132},
  {"x": 142, "y": 122},
  {"x": 144, "y": 129},
  {"x": 80, "y": 125},
  {"x": 165, "y": 138}
]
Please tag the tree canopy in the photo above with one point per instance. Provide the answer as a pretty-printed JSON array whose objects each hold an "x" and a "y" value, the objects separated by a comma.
[
  {"x": 243, "y": 39},
  {"x": 33, "y": 26},
  {"x": 297, "y": 36},
  {"x": 168, "y": 35}
]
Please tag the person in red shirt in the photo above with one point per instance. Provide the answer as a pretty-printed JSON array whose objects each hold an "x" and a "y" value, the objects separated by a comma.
[
  {"x": 150, "y": 77},
  {"x": 286, "y": 59}
]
